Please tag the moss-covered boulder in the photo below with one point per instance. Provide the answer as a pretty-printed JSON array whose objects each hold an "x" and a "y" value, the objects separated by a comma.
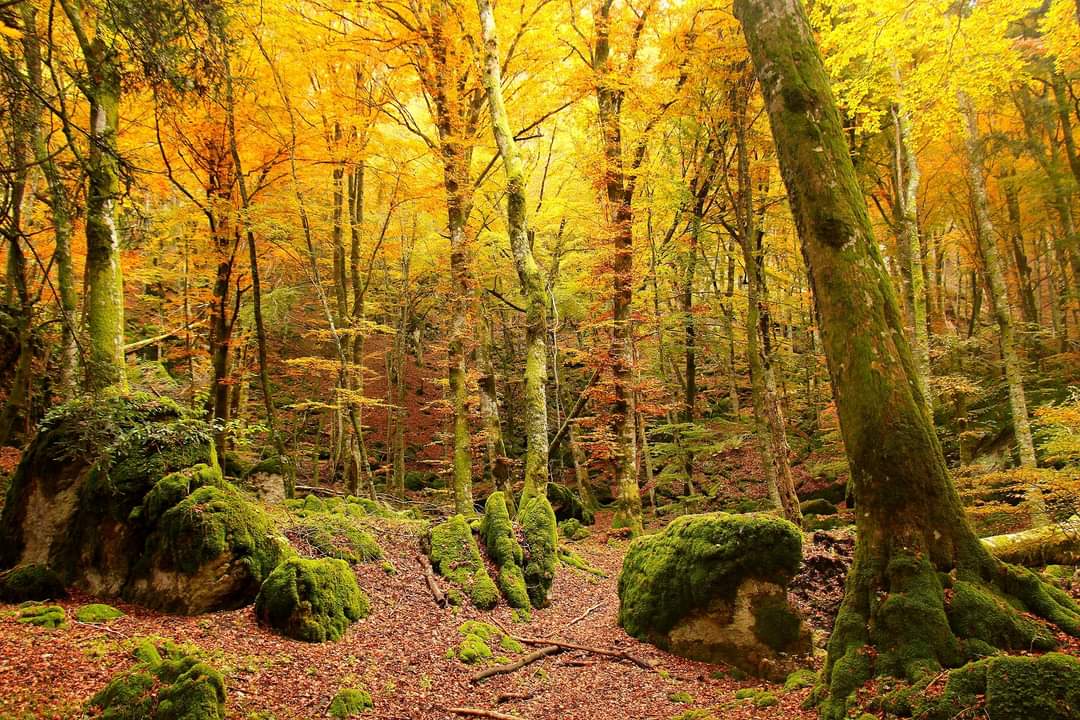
[
  {"x": 567, "y": 505},
  {"x": 96, "y": 613},
  {"x": 1007, "y": 688},
  {"x": 540, "y": 531},
  {"x": 455, "y": 555},
  {"x": 817, "y": 506},
  {"x": 311, "y": 600},
  {"x": 713, "y": 587},
  {"x": 30, "y": 582},
  {"x": 170, "y": 683},
  {"x": 123, "y": 497},
  {"x": 505, "y": 551},
  {"x": 268, "y": 480},
  {"x": 46, "y": 616},
  {"x": 333, "y": 531}
]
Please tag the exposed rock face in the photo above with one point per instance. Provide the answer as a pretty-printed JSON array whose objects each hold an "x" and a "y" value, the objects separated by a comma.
[
  {"x": 714, "y": 588},
  {"x": 267, "y": 481},
  {"x": 123, "y": 497}
]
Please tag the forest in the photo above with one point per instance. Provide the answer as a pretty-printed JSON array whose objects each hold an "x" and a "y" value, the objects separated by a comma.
[{"x": 558, "y": 359}]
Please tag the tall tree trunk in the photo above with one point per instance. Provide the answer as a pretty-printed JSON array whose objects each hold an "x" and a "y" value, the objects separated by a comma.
[
  {"x": 1016, "y": 242},
  {"x": 912, "y": 529},
  {"x": 999, "y": 299},
  {"x": 359, "y": 470},
  {"x": 609, "y": 96}
]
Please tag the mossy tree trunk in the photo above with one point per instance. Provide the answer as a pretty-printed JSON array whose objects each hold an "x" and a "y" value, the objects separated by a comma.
[
  {"x": 619, "y": 196},
  {"x": 913, "y": 534},
  {"x": 995, "y": 275},
  {"x": 533, "y": 286},
  {"x": 104, "y": 281}
]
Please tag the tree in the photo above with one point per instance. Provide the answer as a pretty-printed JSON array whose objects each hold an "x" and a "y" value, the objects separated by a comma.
[
  {"x": 912, "y": 530},
  {"x": 533, "y": 284}
]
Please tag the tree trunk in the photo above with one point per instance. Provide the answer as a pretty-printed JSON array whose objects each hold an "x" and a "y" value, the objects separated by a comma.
[
  {"x": 999, "y": 300},
  {"x": 912, "y": 530}
]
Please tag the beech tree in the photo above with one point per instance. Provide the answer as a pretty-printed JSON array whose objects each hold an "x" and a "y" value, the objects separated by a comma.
[{"x": 913, "y": 534}]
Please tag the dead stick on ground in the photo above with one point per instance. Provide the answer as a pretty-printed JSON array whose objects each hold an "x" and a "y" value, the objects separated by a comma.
[
  {"x": 508, "y": 696},
  {"x": 618, "y": 654},
  {"x": 432, "y": 583},
  {"x": 585, "y": 614},
  {"x": 480, "y": 712},
  {"x": 516, "y": 665}
]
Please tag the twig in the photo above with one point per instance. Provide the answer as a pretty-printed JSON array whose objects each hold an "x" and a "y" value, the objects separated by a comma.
[
  {"x": 618, "y": 654},
  {"x": 508, "y": 696},
  {"x": 516, "y": 665},
  {"x": 316, "y": 490},
  {"x": 585, "y": 614},
  {"x": 480, "y": 712},
  {"x": 432, "y": 583},
  {"x": 97, "y": 626}
]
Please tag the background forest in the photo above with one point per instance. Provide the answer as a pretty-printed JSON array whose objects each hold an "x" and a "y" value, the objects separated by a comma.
[{"x": 418, "y": 253}]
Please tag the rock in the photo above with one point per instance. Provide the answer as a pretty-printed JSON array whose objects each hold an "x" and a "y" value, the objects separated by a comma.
[
  {"x": 30, "y": 582},
  {"x": 504, "y": 550},
  {"x": 174, "y": 684},
  {"x": 714, "y": 587},
  {"x": 572, "y": 529},
  {"x": 96, "y": 613},
  {"x": 817, "y": 506},
  {"x": 541, "y": 534},
  {"x": 311, "y": 600},
  {"x": 122, "y": 497},
  {"x": 269, "y": 487},
  {"x": 455, "y": 555},
  {"x": 567, "y": 505},
  {"x": 1005, "y": 687}
]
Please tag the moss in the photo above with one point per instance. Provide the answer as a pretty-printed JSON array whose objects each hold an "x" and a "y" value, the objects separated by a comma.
[
  {"x": 746, "y": 693},
  {"x": 681, "y": 697},
  {"x": 1009, "y": 688},
  {"x": 173, "y": 488},
  {"x": 985, "y": 619},
  {"x": 571, "y": 558},
  {"x": 339, "y": 536},
  {"x": 1041, "y": 598},
  {"x": 30, "y": 582},
  {"x": 211, "y": 522},
  {"x": 473, "y": 649},
  {"x": 172, "y": 685},
  {"x": 272, "y": 465},
  {"x": 314, "y": 503},
  {"x": 817, "y": 506},
  {"x": 566, "y": 504},
  {"x": 455, "y": 555},
  {"x": 504, "y": 550},
  {"x": 698, "y": 559},
  {"x": 766, "y": 699},
  {"x": 695, "y": 715},
  {"x": 510, "y": 645},
  {"x": 311, "y": 600},
  {"x": 801, "y": 678},
  {"x": 97, "y": 613},
  {"x": 350, "y": 702},
  {"x": 541, "y": 536},
  {"x": 46, "y": 616},
  {"x": 572, "y": 529},
  {"x": 776, "y": 624}
]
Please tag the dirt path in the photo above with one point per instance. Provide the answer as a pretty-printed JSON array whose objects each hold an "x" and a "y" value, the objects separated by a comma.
[{"x": 398, "y": 654}]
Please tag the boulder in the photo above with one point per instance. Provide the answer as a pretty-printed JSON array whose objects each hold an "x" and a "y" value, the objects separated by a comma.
[
  {"x": 30, "y": 582},
  {"x": 268, "y": 481},
  {"x": 123, "y": 497},
  {"x": 455, "y": 555},
  {"x": 567, "y": 505},
  {"x": 713, "y": 587},
  {"x": 505, "y": 551},
  {"x": 311, "y": 600}
]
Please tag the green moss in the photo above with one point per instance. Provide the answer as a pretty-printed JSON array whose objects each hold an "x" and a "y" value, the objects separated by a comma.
[
  {"x": 681, "y": 697},
  {"x": 817, "y": 506},
  {"x": 801, "y": 678},
  {"x": 977, "y": 614},
  {"x": 1041, "y": 598},
  {"x": 541, "y": 545},
  {"x": 311, "y": 600},
  {"x": 97, "y": 613},
  {"x": 173, "y": 488},
  {"x": 350, "y": 702},
  {"x": 746, "y": 693},
  {"x": 571, "y": 558},
  {"x": 339, "y": 536},
  {"x": 504, "y": 550},
  {"x": 1009, "y": 688},
  {"x": 510, "y": 645},
  {"x": 172, "y": 685},
  {"x": 695, "y": 715},
  {"x": 30, "y": 582},
  {"x": 698, "y": 559},
  {"x": 572, "y": 529},
  {"x": 566, "y": 504},
  {"x": 776, "y": 624},
  {"x": 455, "y": 555},
  {"x": 213, "y": 521},
  {"x": 272, "y": 465},
  {"x": 766, "y": 699},
  {"x": 314, "y": 503},
  {"x": 46, "y": 616},
  {"x": 473, "y": 649}
]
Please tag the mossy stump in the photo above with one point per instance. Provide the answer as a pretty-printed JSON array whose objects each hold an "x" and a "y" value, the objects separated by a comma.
[
  {"x": 713, "y": 587},
  {"x": 311, "y": 600},
  {"x": 540, "y": 531},
  {"x": 505, "y": 551},
  {"x": 167, "y": 684},
  {"x": 455, "y": 555}
]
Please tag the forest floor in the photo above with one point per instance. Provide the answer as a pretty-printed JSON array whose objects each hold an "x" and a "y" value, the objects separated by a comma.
[{"x": 399, "y": 654}]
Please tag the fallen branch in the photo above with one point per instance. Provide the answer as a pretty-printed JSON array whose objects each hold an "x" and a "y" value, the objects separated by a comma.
[
  {"x": 320, "y": 490},
  {"x": 432, "y": 583},
  {"x": 508, "y": 696},
  {"x": 1045, "y": 545},
  {"x": 480, "y": 712},
  {"x": 585, "y": 614},
  {"x": 617, "y": 654},
  {"x": 140, "y": 344},
  {"x": 516, "y": 665}
]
